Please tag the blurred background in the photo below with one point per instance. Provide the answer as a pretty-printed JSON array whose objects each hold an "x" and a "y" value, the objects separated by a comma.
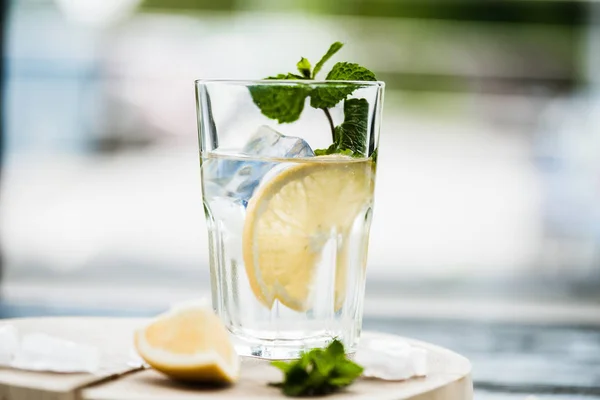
[{"x": 487, "y": 217}]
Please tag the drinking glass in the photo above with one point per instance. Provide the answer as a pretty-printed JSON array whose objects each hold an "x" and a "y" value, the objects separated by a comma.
[{"x": 288, "y": 176}]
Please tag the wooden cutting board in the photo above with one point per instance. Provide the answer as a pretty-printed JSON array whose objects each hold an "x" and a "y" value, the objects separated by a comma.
[
  {"x": 449, "y": 376},
  {"x": 112, "y": 335}
]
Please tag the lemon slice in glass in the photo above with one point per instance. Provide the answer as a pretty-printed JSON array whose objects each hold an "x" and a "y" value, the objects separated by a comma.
[{"x": 292, "y": 216}]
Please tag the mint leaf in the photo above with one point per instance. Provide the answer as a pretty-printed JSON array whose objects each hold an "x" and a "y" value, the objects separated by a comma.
[
  {"x": 348, "y": 369},
  {"x": 344, "y": 71},
  {"x": 316, "y": 382},
  {"x": 351, "y": 136},
  {"x": 288, "y": 76},
  {"x": 329, "y": 96},
  {"x": 294, "y": 390},
  {"x": 352, "y": 133},
  {"x": 281, "y": 102},
  {"x": 296, "y": 375},
  {"x": 318, "y": 372},
  {"x": 282, "y": 365},
  {"x": 304, "y": 68},
  {"x": 334, "y": 48},
  {"x": 335, "y": 349},
  {"x": 322, "y": 361},
  {"x": 324, "y": 152},
  {"x": 345, "y": 372},
  {"x": 333, "y": 149},
  {"x": 296, "y": 379}
]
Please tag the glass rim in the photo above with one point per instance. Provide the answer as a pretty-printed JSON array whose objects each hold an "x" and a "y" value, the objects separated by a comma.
[{"x": 267, "y": 82}]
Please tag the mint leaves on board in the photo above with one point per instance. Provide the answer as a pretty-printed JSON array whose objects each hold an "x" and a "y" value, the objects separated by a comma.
[
  {"x": 285, "y": 102},
  {"x": 318, "y": 372}
]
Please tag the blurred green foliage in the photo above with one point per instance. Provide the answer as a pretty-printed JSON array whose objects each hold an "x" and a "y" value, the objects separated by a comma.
[
  {"x": 540, "y": 40},
  {"x": 517, "y": 11},
  {"x": 557, "y": 12},
  {"x": 181, "y": 5}
]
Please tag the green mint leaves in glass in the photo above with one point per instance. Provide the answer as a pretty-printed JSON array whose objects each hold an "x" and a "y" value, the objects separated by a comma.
[{"x": 286, "y": 103}]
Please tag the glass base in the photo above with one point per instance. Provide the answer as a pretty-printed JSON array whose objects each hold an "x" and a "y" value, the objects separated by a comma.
[{"x": 282, "y": 349}]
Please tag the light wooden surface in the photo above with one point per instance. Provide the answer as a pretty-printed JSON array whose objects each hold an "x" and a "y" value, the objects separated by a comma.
[
  {"x": 448, "y": 379},
  {"x": 449, "y": 376},
  {"x": 112, "y": 336}
]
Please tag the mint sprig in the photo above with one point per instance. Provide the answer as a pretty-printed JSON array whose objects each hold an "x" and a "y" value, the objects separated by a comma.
[
  {"x": 318, "y": 372},
  {"x": 285, "y": 103}
]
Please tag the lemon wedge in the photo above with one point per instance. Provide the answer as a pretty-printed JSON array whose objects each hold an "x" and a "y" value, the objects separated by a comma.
[
  {"x": 189, "y": 343},
  {"x": 292, "y": 216}
]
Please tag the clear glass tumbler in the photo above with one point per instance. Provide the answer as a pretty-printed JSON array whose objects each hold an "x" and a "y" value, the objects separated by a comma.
[{"x": 288, "y": 174}]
